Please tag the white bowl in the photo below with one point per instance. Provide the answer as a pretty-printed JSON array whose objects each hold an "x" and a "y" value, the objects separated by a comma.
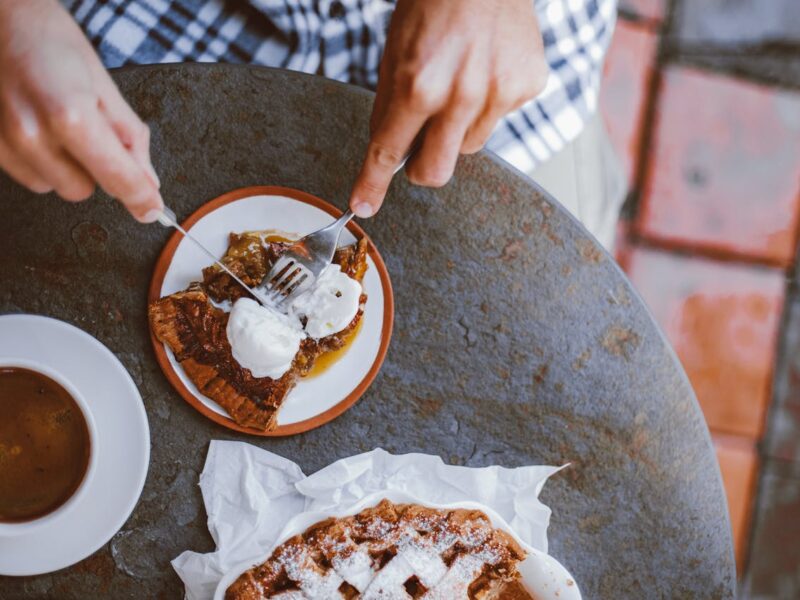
[
  {"x": 543, "y": 576},
  {"x": 24, "y": 527}
]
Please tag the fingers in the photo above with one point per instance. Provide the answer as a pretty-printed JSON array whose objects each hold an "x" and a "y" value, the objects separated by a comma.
[
  {"x": 389, "y": 144},
  {"x": 129, "y": 128},
  {"x": 93, "y": 141},
  {"x": 21, "y": 172},
  {"x": 405, "y": 102},
  {"x": 30, "y": 150},
  {"x": 73, "y": 145},
  {"x": 501, "y": 101},
  {"x": 382, "y": 94},
  {"x": 69, "y": 179},
  {"x": 434, "y": 163}
]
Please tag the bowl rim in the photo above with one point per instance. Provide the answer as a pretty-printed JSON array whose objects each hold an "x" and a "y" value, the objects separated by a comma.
[
  {"x": 13, "y": 529},
  {"x": 165, "y": 259}
]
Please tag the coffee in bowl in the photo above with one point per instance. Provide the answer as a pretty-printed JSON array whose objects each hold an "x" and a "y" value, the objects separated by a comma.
[{"x": 45, "y": 445}]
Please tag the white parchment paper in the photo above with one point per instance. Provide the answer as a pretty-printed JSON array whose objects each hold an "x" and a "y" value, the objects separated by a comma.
[{"x": 250, "y": 494}]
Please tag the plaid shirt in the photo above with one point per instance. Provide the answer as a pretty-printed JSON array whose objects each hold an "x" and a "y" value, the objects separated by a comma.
[{"x": 343, "y": 40}]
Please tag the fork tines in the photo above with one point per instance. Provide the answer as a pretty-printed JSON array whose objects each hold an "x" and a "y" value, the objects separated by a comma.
[{"x": 286, "y": 277}]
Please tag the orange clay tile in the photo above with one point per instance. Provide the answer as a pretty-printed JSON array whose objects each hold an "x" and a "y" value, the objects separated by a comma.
[
  {"x": 722, "y": 319},
  {"x": 724, "y": 169},
  {"x": 625, "y": 86}
]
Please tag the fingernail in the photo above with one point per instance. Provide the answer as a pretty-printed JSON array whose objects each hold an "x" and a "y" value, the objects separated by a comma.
[
  {"x": 151, "y": 216},
  {"x": 153, "y": 175},
  {"x": 363, "y": 210}
]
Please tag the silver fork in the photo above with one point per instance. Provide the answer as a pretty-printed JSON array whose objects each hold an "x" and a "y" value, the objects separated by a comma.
[{"x": 300, "y": 266}]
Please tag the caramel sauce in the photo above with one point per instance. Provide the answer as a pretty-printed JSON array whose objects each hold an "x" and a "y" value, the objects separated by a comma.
[
  {"x": 249, "y": 241},
  {"x": 44, "y": 445},
  {"x": 273, "y": 236},
  {"x": 326, "y": 360}
]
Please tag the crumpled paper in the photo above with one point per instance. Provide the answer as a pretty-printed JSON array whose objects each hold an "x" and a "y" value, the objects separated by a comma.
[{"x": 250, "y": 494}]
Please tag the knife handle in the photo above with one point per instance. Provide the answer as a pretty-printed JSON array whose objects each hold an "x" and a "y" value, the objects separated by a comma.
[{"x": 167, "y": 217}]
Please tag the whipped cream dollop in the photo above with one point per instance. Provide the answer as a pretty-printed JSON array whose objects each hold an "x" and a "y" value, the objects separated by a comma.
[
  {"x": 263, "y": 340},
  {"x": 329, "y": 305}
]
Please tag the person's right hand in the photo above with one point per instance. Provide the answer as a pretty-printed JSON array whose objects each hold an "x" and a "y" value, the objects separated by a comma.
[{"x": 63, "y": 124}]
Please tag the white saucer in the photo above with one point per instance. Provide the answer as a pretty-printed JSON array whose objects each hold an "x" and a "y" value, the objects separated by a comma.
[{"x": 123, "y": 443}]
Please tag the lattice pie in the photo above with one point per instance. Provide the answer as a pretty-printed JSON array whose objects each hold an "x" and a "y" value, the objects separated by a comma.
[{"x": 391, "y": 552}]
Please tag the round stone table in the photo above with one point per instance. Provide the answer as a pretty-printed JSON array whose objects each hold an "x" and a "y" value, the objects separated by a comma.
[{"x": 517, "y": 341}]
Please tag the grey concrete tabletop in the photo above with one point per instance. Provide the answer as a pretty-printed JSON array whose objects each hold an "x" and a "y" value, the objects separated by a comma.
[{"x": 517, "y": 341}]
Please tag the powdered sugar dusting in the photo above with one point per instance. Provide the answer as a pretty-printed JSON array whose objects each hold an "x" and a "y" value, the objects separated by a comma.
[
  {"x": 456, "y": 583},
  {"x": 355, "y": 569}
]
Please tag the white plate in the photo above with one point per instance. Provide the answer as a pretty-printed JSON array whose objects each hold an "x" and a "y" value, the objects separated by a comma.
[
  {"x": 543, "y": 576},
  {"x": 311, "y": 396},
  {"x": 123, "y": 443}
]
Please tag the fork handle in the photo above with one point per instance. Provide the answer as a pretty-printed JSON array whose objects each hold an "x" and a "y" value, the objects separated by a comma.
[
  {"x": 340, "y": 223},
  {"x": 345, "y": 219}
]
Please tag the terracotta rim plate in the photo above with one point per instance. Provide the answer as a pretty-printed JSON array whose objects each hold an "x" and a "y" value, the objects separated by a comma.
[{"x": 314, "y": 401}]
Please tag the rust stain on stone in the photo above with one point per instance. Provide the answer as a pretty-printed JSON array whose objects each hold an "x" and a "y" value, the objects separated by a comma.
[
  {"x": 620, "y": 341},
  {"x": 619, "y": 296},
  {"x": 589, "y": 251},
  {"x": 512, "y": 250},
  {"x": 582, "y": 359},
  {"x": 112, "y": 312},
  {"x": 100, "y": 565},
  {"x": 540, "y": 374},
  {"x": 427, "y": 407},
  {"x": 90, "y": 239},
  {"x": 594, "y": 523},
  {"x": 504, "y": 194},
  {"x": 639, "y": 440},
  {"x": 551, "y": 235}
]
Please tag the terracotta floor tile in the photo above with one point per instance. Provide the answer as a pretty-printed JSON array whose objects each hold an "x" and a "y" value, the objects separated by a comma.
[
  {"x": 724, "y": 170},
  {"x": 722, "y": 319},
  {"x": 645, "y": 9},
  {"x": 623, "y": 92},
  {"x": 738, "y": 462}
]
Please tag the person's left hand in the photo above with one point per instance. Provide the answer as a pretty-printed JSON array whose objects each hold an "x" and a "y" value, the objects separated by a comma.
[{"x": 454, "y": 68}]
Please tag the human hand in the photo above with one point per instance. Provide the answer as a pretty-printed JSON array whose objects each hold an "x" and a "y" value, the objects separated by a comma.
[
  {"x": 454, "y": 68},
  {"x": 63, "y": 124}
]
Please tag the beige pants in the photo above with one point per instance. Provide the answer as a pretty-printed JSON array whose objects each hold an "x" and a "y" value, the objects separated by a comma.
[{"x": 587, "y": 178}]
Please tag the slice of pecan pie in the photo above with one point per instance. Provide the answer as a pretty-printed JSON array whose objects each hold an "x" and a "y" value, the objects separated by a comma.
[
  {"x": 193, "y": 327},
  {"x": 392, "y": 552}
]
